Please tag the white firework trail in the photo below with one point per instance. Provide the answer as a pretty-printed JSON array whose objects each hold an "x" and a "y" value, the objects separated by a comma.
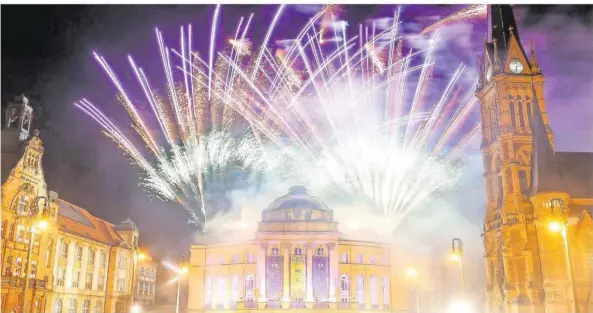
[{"x": 346, "y": 112}]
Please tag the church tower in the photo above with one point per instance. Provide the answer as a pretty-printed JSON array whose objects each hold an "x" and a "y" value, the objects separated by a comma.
[{"x": 510, "y": 85}]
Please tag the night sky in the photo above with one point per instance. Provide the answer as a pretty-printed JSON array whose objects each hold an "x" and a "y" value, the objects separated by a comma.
[{"x": 46, "y": 54}]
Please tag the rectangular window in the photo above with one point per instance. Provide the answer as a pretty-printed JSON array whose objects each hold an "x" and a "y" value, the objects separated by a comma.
[
  {"x": 359, "y": 258},
  {"x": 250, "y": 257},
  {"x": 235, "y": 258},
  {"x": 78, "y": 253},
  {"x": 20, "y": 234},
  {"x": 33, "y": 271},
  {"x": 385, "y": 259},
  {"x": 91, "y": 259},
  {"x": 344, "y": 257},
  {"x": 48, "y": 252},
  {"x": 103, "y": 259},
  {"x": 3, "y": 230},
  {"x": 18, "y": 262},
  {"x": 89, "y": 281},
  {"x": 372, "y": 261},
  {"x": 101, "y": 282},
  {"x": 222, "y": 259},
  {"x": 61, "y": 276},
  {"x": 8, "y": 268},
  {"x": 75, "y": 279}
]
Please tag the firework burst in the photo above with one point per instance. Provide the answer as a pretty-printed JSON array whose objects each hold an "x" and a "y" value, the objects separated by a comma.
[{"x": 360, "y": 114}]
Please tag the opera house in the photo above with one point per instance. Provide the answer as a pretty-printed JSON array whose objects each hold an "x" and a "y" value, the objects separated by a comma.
[{"x": 297, "y": 259}]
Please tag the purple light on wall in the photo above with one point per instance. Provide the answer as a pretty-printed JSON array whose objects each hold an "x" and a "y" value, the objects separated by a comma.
[
  {"x": 320, "y": 277},
  {"x": 274, "y": 267}
]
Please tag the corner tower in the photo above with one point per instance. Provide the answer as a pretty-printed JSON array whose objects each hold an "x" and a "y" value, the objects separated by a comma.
[{"x": 510, "y": 85}]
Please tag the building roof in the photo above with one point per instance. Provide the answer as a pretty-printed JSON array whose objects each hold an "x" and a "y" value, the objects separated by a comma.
[
  {"x": 545, "y": 171},
  {"x": 78, "y": 221}
]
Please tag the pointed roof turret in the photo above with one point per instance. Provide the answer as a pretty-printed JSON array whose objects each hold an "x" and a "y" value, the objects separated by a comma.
[{"x": 545, "y": 172}]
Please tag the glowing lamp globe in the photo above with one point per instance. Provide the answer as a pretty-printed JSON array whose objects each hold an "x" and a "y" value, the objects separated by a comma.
[{"x": 555, "y": 227}]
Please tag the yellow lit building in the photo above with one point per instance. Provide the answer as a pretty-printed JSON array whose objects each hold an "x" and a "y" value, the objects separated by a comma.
[
  {"x": 79, "y": 262},
  {"x": 145, "y": 289},
  {"x": 539, "y": 201},
  {"x": 25, "y": 202},
  {"x": 296, "y": 259}
]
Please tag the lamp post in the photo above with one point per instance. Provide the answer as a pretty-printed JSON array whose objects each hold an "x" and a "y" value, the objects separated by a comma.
[
  {"x": 41, "y": 225},
  {"x": 412, "y": 274},
  {"x": 180, "y": 273},
  {"x": 558, "y": 207},
  {"x": 457, "y": 255}
]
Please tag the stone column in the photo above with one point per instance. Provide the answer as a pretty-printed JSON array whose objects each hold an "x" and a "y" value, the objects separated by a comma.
[
  {"x": 286, "y": 272},
  {"x": 309, "y": 248},
  {"x": 333, "y": 270},
  {"x": 261, "y": 271}
]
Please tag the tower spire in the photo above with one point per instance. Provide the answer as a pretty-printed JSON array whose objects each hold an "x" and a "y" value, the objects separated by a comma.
[
  {"x": 502, "y": 27},
  {"x": 534, "y": 65},
  {"x": 545, "y": 172}
]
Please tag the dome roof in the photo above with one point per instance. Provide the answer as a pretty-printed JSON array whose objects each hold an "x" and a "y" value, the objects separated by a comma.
[
  {"x": 295, "y": 206},
  {"x": 297, "y": 198}
]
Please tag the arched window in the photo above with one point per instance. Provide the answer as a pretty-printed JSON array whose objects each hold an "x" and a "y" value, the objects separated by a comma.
[
  {"x": 249, "y": 289},
  {"x": 521, "y": 115},
  {"x": 221, "y": 292},
  {"x": 529, "y": 112},
  {"x": 208, "y": 287},
  {"x": 21, "y": 207},
  {"x": 344, "y": 289},
  {"x": 63, "y": 248},
  {"x": 98, "y": 307},
  {"x": 57, "y": 306},
  {"x": 386, "y": 295},
  {"x": 374, "y": 291},
  {"x": 320, "y": 251},
  {"x": 512, "y": 113},
  {"x": 85, "y": 306},
  {"x": 234, "y": 289},
  {"x": 360, "y": 289},
  {"x": 72, "y": 307}
]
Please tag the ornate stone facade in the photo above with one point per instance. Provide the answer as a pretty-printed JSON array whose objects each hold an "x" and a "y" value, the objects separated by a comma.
[{"x": 529, "y": 186}]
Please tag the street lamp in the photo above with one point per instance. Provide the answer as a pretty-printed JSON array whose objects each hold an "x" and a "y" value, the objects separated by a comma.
[
  {"x": 180, "y": 273},
  {"x": 457, "y": 255},
  {"x": 559, "y": 227},
  {"x": 38, "y": 226},
  {"x": 413, "y": 275},
  {"x": 559, "y": 209}
]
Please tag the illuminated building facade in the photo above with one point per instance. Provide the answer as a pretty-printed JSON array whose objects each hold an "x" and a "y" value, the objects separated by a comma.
[
  {"x": 296, "y": 259},
  {"x": 79, "y": 262},
  {"x": 530, "y": 187},
  {"x": 145, "y": 289}
]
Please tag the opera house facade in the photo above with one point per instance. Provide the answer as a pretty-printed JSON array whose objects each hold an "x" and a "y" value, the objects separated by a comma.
[{"x": 296, "y": 260}]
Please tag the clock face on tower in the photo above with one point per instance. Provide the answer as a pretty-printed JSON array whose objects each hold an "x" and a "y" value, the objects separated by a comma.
[{"x": 516, "y": 66}]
